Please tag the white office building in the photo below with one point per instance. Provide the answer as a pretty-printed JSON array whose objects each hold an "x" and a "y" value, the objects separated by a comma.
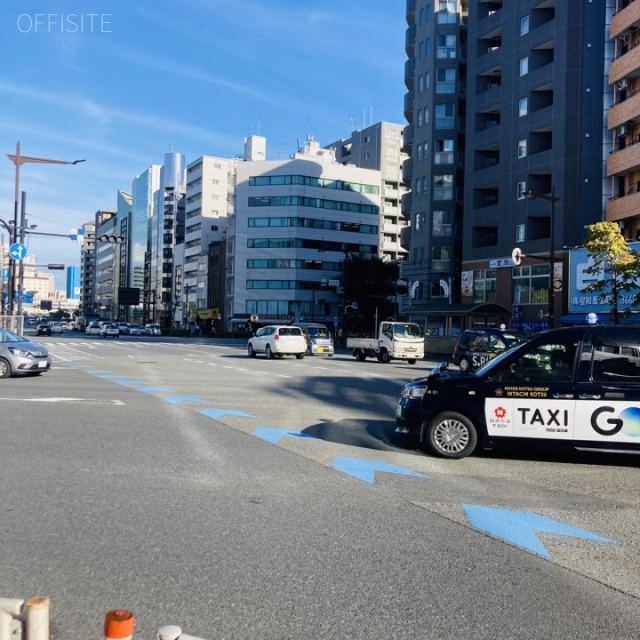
[{"x": 293, "y": 223}]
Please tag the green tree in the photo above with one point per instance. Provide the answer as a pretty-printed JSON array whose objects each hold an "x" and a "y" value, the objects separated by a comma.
[
  {"x": 370, "y": 283},
  {"x": 615, "y": 265}
]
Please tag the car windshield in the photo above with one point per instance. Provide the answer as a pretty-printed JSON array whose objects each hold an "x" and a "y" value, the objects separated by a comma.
[
  {"x": 319, "y": 332},
  {"x": 9, "y": 336},
  {"x": 410, "y": 330}
]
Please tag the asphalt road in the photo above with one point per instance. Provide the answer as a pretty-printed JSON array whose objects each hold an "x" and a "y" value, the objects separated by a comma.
[{"x": 244, "y": 498}]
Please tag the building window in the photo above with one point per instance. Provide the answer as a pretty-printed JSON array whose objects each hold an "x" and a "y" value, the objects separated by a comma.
[
  {"x": 445, "y": 81},
  {"x": 524, "y": 25},
  {"x": 521, "y": 190},
  {"x": 522, "y": 148},
  {"x": 531, "y": 284},
  {"x": 420, "y": 118},
  {"x": 523, "y": 107},
  {"x": 443, "y": 152},
  {"x": 484, "y": 285},
  {"x": 445, "y": 114},
  {"x": 419, "y": 186},
  {"x": 524, "y": 66},
  {"x": 441, "y": 224},
  {"x": 443, "y": 187},
  {"x": 441, "y": 259},
  {"x": 446, "y": 47},
  {"x": 520, "y": 236},
  {"x": 417, "y": 222}
]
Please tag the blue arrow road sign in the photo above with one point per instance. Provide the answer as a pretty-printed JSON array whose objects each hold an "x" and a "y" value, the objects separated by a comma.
[
  {"x": 17, "y": 251},
  {"x": 275, "y": 435},
  {"x": 366, "y": 469},
  {"x": 520, "y": 527}
]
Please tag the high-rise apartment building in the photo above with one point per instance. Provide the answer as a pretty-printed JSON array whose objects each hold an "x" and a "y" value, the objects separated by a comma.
[
  {"x": 623, "y": 164},
  {"x": 379, "y": 147},
  {"x": 506, "y": 105}
]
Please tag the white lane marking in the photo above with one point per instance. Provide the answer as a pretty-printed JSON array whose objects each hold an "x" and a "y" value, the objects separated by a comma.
[
  {"x": 69, "y": 400},
  {"x": 280, "y": 375}
]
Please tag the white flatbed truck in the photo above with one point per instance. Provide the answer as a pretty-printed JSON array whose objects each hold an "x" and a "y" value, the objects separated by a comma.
[{"x": 395, "y": 341}]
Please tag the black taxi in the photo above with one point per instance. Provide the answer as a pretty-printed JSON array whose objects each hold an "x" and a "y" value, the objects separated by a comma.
[{"x": 577, "y": 386}]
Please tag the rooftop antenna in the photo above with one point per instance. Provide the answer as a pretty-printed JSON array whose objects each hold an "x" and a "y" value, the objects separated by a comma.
[{"x": 259, "y": 123}]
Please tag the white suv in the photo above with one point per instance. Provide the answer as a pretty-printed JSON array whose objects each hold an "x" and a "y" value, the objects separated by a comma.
[{"x": 278, "y": 340}]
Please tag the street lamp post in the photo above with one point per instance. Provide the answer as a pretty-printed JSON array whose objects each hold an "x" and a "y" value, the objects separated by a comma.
[
  {"x": 552, "y": 199},
  {"x": 18, "y": 160}
]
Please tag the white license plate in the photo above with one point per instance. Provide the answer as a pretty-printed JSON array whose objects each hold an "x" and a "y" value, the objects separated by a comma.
[{"x": 42, "y": 365}]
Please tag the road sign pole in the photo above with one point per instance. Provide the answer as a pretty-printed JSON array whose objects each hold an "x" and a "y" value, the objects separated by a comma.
[{"x": 23, "y": 224}]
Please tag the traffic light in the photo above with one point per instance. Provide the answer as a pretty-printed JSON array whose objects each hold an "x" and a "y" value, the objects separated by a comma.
[
  {"x": 111, "y": 239},
  {"x": 55, "y": 266}
]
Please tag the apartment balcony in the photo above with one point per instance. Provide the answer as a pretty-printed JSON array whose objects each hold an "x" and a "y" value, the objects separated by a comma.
[
  {"x": 406, "y": 204},
  {"x": 624, "y": 19},
  {"x": 408, "y": 106},
  {"x": 410, "y": 40},
  {"x": 623, "y": 207},
  {"x": 407, "y": 172},
  {"x": 407, "y": 137},
  {"x": 411, "y": 11},
  {"x": 410, "y": 73},
  {"x": 624, "y": 160},
  {"x": 626, "y": 65},
  {"x": 624, "y": 111},
  {"x": 390, "y": 228}
]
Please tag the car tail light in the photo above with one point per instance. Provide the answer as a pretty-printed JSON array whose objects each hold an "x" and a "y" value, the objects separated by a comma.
[
  {"x": 277, "y": 336},
  {"x": 457, "y": 346}
]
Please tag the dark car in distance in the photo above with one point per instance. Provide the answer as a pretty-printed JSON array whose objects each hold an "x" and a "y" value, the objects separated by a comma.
[
  {"x": 477, "y": 346},
  {"x": 43, "y": 329}
]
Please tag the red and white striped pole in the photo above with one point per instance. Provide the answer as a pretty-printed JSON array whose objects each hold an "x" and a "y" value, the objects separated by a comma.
[{"x": 118, "y": 625}]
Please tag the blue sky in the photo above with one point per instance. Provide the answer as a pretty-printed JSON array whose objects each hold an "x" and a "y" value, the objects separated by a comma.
[{"x": 143, "y": 77}]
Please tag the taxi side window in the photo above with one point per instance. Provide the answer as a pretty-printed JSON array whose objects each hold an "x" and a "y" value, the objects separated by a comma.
[
  {"x": 611, "y": 363},
  {"x": 546, "y": 362}
]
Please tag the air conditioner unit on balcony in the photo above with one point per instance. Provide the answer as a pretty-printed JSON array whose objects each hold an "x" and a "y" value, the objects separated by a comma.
[{"x": 621, "y": 130}]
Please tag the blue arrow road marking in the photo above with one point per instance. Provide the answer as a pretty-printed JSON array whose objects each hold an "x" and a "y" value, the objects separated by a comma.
[
  {"x": 215, "y": 414},
  {"x": 126, "y": 382},
  {"x": 180, "y": 399},
  {"x": 520, "y": 527},
  {"x": 154, "y": 389},
  {"x": 96, "y": 371},
  {"x": 366, "y": 469},
  {"x": 113, "y": 375},
  {"x": 275, "y": 435}
]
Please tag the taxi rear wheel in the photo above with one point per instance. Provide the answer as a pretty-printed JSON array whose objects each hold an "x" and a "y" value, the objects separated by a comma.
[{"x": 450, "y": 435}]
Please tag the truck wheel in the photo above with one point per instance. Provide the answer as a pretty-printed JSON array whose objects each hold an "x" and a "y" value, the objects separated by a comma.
[
  {"x": 384, "y": 356},
  {"x": 412, "y": 361},
  {"x": 464, "y": 364},
  {"x": 359, "y": 355},
  {"x": 449, "y": 435}
]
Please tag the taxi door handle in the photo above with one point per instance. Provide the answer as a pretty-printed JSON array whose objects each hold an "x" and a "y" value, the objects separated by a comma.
[
  {"x": 565, "y": 396},
  {"x": 588, "y": 396}
]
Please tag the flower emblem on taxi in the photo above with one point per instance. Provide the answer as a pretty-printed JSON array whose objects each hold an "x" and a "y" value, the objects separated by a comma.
[{"x": 500, "y": 412}]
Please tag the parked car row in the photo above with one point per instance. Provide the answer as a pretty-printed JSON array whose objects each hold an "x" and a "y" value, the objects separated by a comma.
[{"x": 115, "y": 329}]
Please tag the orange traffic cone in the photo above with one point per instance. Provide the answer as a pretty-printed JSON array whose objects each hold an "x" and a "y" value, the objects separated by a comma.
[{"x": 118, "y": 625}]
